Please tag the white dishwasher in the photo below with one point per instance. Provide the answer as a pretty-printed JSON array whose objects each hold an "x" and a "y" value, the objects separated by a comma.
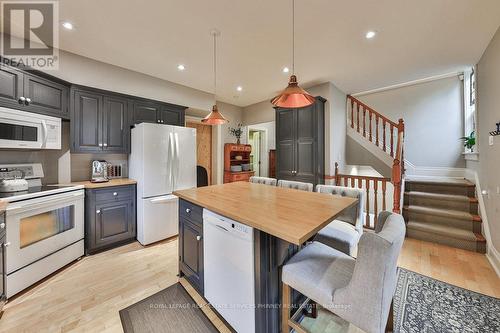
[{"x": 229, "y": 275}]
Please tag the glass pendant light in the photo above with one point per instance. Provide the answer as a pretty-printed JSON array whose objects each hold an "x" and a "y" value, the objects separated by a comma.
[
  {"x": 215, "y": 117},
  {"x": 293, "y": 96}
]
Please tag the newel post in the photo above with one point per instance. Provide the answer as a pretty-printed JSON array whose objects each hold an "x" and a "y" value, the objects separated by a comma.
[{"x": 337, "y": 177}]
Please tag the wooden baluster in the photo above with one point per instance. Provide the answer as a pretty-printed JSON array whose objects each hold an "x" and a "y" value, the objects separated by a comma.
[
  {"x": 367, "y": 182},
  {"x": 392, "y": 140},
  {"x": 384, "y": 186},
  {"x": 384, "y": 135},
  {"x": 346, "y": 181},
  {"x": 357, "y": 117},
  {"x": 337, "y": 176},
  {"x": 370, "y": 130},
  {"x": 364, "y": 122},
  {"x": 375, "y": 203},
  {"x": 376, "y": 130},
  {"x": 352, "y": 181},
  {"x": 352, "y": 113}
]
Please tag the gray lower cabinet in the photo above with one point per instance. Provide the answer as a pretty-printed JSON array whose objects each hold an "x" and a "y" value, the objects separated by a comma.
[
  {"x": 300, "y": 143},
  {"x": 28, "y": 92},
  {"x": 110, "y": 217},
  {"x": 100, "y": 122},
  {"x": 191, "y": 243}
]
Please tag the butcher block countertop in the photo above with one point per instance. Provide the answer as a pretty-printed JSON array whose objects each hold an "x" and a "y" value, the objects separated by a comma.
[
  {"x": 110, "y": 183},
  {"x": 292, "y": 215},
  {"x": 3, "y": 206}
]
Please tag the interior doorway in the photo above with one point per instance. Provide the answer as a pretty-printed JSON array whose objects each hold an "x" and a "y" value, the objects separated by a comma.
[
  {"x": 256, "y": 139},
  {"x": 203, "y": 146}
]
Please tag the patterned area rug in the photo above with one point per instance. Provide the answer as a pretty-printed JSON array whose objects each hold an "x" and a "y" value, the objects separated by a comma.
[{"x": 423, "y": 304}]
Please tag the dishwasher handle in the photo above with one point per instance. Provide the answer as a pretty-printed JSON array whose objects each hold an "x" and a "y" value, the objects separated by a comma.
[{"x": 221, "y": 227}]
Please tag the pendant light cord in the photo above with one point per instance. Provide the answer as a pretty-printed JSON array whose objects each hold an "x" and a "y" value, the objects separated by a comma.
[
  {"x": 215, "y": 67},
  {"x": 293, "y": 37}
]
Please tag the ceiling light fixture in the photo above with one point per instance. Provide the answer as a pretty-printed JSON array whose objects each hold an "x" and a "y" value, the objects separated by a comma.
[
  {"x": 68, "y": 25},
  {"x": 293, "y": 96},
  {"x": 215, "y": 117},
  {"x": 239, "y": 88},
  {"x": 286, "y": 69},
  {"x": 370, "y": 34},
  {"x": 181, "y": 67}
]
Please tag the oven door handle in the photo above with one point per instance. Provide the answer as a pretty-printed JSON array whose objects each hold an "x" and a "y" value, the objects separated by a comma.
[{"x": 36, "y": 203}]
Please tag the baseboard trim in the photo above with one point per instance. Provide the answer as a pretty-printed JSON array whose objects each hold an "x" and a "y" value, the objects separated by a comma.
[
  {"x": 491, "y": 253},
  {"x": 420, "y": 171}
]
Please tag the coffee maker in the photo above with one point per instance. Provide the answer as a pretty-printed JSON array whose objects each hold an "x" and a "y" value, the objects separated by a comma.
[{"x": 99, "y": 172}]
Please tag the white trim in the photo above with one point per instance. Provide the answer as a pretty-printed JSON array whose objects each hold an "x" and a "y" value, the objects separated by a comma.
[
  {"x": 421, "y": 171},
  {"x": 409, "y": 83},
  {"x": 491, "y": 253},
  {"x": 471, "y": 156},
  {"x": 371, "y": 147}
]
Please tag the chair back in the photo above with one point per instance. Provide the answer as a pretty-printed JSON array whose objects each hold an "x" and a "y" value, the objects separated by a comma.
[
  {"x": 353, "y": 215},
  {"x": 308, "y": 187},
  {"x": 373, "y": 282},
  {"x": 201, "y": 176},
  {"x": 263, "y": 180}
]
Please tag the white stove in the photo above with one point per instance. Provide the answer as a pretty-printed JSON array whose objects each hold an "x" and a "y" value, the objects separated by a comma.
[{"x": 44, "y": 226}]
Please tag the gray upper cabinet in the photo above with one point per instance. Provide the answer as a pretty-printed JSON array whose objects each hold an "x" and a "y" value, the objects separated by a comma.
[
  {"x": 11, "y": 87},
  {"x": 99, "y": 122},
  {"x": 300, "y": 143},
  {"x": 145, "y": 111},
  {"x": 28, "y": 92},
  {"x": 45, "y": 96}
]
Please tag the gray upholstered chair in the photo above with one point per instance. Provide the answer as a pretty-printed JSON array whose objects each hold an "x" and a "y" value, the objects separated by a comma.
[
  {"x": 358, "y": 290},
  {"x": 263, "y": 180},
  {"x": 296, "y": 185},
  {"x": 344, "y": 232}
]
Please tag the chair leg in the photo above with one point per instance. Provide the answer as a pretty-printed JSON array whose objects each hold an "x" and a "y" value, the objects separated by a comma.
[
  {"x": 314, "y": 309},
  {"x": 390, "y": 319},
  {"x": 285, "y": 308}
]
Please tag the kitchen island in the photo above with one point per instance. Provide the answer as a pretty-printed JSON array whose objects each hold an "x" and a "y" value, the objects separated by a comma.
[{"x": 282, "y": 220}]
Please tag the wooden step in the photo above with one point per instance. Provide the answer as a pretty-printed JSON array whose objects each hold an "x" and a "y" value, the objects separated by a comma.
[{"x": 444, "y": 201}]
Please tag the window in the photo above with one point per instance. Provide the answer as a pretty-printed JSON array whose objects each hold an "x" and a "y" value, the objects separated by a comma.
[{"x": 470, "y": 103}]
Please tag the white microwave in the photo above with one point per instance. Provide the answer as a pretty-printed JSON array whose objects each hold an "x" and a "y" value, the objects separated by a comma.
[{"x": 26, "y": 130}]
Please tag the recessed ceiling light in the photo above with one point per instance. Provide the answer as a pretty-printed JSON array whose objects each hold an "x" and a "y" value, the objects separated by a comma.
[
  {"x": 370, "y": 34},
  {"x": 286, "y": 69},
  {"x": 181, "y": 67},
  {"x": 67, "y": 25},
  {"x": 239, "y": 88}
]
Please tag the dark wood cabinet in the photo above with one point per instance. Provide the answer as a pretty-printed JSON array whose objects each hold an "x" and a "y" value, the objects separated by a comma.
[
  {"x": 46, "y": 96},
  {"x": 29, "y": 92},
  {"x": 300, "y": 143},
  {"x": 191, "y": 243},
  {"x": 110, "y": 217},
  {"x": 145, "y": 111},
  {"x": 3, "y": 240},
  {"x": 99, "y": 122}
]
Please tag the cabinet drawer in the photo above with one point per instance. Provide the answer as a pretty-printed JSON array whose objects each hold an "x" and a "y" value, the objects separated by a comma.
[
  {"x": 191, "y": 211},
  {"x": 114, "y": 193}
]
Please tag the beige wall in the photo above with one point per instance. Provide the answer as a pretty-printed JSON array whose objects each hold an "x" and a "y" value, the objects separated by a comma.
[
  {"x": 433, "y": 114},
  {"x": 488, "y": 108}
]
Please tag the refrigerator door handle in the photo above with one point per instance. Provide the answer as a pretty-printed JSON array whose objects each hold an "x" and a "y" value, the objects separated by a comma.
[
  {"x": 177, "y": 160},
  {"x": 170, "y": 163}
]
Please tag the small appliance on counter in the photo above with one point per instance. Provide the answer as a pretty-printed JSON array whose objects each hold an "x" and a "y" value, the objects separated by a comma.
[
  {"x": 10, "y": 181},
  {"x": 99, "y": 172}
]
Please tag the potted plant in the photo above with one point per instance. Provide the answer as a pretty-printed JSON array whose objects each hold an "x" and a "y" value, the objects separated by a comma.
[
  {"x": 237, "y": 132},
  {"x": 469, "y": 141}
]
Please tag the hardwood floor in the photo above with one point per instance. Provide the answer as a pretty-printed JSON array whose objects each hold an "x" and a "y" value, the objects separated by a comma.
[{"x": 87, "y": 295}]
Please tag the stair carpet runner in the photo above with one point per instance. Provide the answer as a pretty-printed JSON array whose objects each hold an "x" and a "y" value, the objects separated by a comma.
[{"x": 443, "y": 211}]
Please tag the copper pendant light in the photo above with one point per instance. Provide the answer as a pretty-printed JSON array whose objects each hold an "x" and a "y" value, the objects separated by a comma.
[
  {"x": 215, "y": 117},
  {"x": 293, "y": 96}
]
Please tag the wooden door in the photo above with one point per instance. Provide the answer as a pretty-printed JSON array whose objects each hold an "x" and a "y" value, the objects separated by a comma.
[
  {"x": 114, "y": 222},
  {"x": 171, "y": 116},
  {"x": 285, "y": 143},
  {"x": 203, "y": 146},
  {"x": 86, "y": 122},
  {"x": 115, "y": 122},
  {"x": 145, "y": 112},
  {"x": 191, "y": 252},
  {"x": 305, "y": 145},
  {"x": 45, "y": 96}
]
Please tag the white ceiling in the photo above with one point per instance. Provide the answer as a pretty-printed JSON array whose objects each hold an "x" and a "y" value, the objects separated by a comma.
[{"x": 415, "y": 39}]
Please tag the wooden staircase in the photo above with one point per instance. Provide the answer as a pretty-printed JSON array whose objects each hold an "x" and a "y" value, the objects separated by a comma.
[{"x": 445, "y": 212}]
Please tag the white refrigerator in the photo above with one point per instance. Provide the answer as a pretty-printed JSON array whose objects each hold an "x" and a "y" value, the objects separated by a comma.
[{"x": 162, "y": 160}]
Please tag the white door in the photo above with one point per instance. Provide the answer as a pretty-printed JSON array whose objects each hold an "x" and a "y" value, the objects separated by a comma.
[
  {"x": 158, "y": 218},
  {"x": 157, "y": 160},
  {"x": 185, "y": 158}
]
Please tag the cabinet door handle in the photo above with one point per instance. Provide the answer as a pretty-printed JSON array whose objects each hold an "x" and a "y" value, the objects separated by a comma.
[
  {"x": 188, "y": 210},
  {"x": 6, "y": 244},
  {"x": 158, "y": 121},
  {"x": 2, "y": 225},
  {"x": 98, "y": 211},
  {"x": 100, "y": 145},
  {"x": 198, "y": 238},
  {"x": 22, "y": 100},
  {"x": 28, "y": 101},
  {"x": 105, "y": 145},
  {"x": 115, "y": 194}
]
